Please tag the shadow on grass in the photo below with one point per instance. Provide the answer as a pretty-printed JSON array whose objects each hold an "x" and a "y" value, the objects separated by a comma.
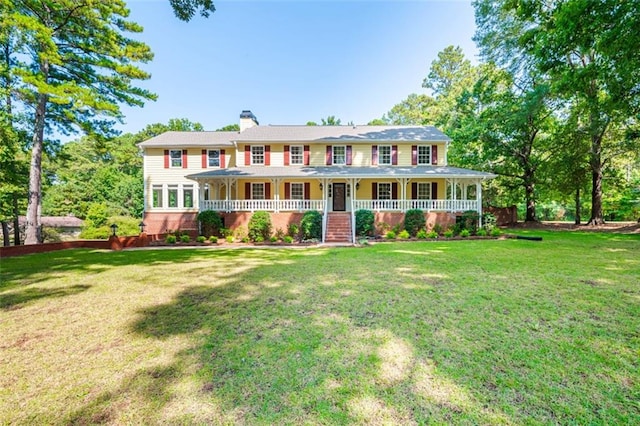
[{"x": 18, "y": 299}]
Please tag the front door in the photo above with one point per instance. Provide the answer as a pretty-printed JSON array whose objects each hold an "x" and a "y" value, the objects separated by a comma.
[{"x": 339, "y": 197}]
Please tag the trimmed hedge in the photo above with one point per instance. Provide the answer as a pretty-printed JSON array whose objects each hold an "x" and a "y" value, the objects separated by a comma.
[
  {"x": 260, "y": 226},
  {"x": 311, "y": 225},
  {"x": 414, "y": 221},
  {"x": 365, "y": 222}
]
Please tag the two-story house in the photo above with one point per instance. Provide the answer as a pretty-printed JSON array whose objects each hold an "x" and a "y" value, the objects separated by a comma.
[{"x": 288, "y": 170}]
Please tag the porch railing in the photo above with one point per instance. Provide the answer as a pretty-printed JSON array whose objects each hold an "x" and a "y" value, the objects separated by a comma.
[
  {"x": 268, "y": 205},
  {"x": 429, "y": 205}
]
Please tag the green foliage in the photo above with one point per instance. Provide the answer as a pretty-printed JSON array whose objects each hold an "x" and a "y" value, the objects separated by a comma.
[
  {"x": 437, "y": 228},
  {"x": 422, "y": 234},
  {"x": 287, "y": 239},
  {"x": 468, "y": 221},
  {"x": 186, "y": 9},
  {"x": 432, "y": 234},
  {"x": 241, "y": 234},
  {"x": 382, "y": 228},
  {"x": 127, "y": 226},
  {"x": 213, "y": 239},
  {"x": 414, "y": 221},
  {"x": 273, "y": 239},
  {"x": 311, "y": 225},
  {"x": 171, "y": 239},
  {"x": 331, "y": 121},
  {"x": 225, "y": 232},
  {"x": 280, "y": 234},
  {"x": 364, "y": 222},
  {"x": 293, "y": 230},
  {"x": 97, "y": 215},
  {"x": 390, "y": 235},
  {"x": 50, "y": 235},
  {"x": 449, "y": 233},
  {"x": 201, "y": 239},
  {"x": 482, "y": 232},
  {"x": 465, "y": 233},
  {"x": 404, "y": 234},
  {"x": 488, "y": 221},
  {"x": 211, "y": 222},
  {"x": 260, "y": 226},
  {"x": 495, "y": 232},
  {"x": 235, "y": 127},
  {"x": 229, "y": 238}
]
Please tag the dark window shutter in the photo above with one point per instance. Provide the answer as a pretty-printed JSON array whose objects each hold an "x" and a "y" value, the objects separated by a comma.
[
  {"x": 329, "y": 154},
  {"x": 267, "y": 191},
  {"x": 204, "y": 158},
  {"x": 374, "y": 191},
  {"x": 414, "y": 190},
  {"x": 287, "y": 191},
  {"x": 286, "y": 155},
  {"x": 247, "y": 155},
  {"x": 394, "y": 191},
  {"x": 166, "y": 158},
  {"x": 267, "y": 155},
  {"x": 394, "y": 155},
  {"x": 247, "y": 190},
  {"x": 306, "y": 155},
  {"x": 374, "y": 155},
  {"x": 222, "y": 159},
  {"x": 307, "y": 191},
  {"x": 434, "y": 154},
  {"x": 434, "y": 191},
  {"x": 184, "y": 158},
  {"x": 414, "y": 155},
  {"x": 349, "y": 155}
]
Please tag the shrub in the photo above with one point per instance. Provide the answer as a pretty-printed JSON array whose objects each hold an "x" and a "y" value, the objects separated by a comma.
[
  {"x": 185, "y": 238},
  {"x": 260, "y": 226},
  {"x": 414, "y": 221},
  {"x": 311, "y": 225},
  {"x": 481, "y": 233},
  {"x": 240, "y": 233},
  {"x": 273, "y": 239},
  {"x": 171, "y": 239},
  {"x": 364, "y": 222},
  {"x": 229, "y": 238},
  {"x": 390, "y": 235},
  {"x": 432, "y": 234},
  {"x": 437, "y": 228},
  {"x": 288, "y": 239},
  {"x": 449, "y": 233},
  {"x": 201, "y": 239},
  {"x": 422, "y": 234},
  {"x": 468, "y": 220},
  {"x": 225, "y": 232},
  {"x": 495, "y": 232},
  {"x": 489, "y": 221},
  {"x": 404, "y": 234},
  {"x": 293, "y": 230},
  {"x": 397, "y": 228},
  {"x": 211, "y": 222},
  {"x": 127, "y": 225},
  {"x": 213, "y": 239},
  {"x": 465, "y": 233},
  {"x": 279, "y": 234}
]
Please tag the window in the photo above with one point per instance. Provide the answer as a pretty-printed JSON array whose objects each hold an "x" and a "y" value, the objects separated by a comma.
[
  {"x": 384, "y": 191},
  {"x": 187, "y": 196},
  {"x": 157, "y": 195},
  {"x": 257, "y": 154},
  {"x": 384, "y": 154},
  {"x": 297, "y": 191},
  {"x": 424, "y": 191},
  {"x": 214, "y": 158},
  {"x": 424, "y": 155},
  {"x": 176, "y": 157},
  {"x": 173, "y": 196},
  {"x": 257, "y": 191},
  {"x": 297, "y": 154},
  {"x": 339, "y": 155}
]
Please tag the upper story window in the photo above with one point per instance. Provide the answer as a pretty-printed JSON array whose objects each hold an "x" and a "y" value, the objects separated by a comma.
[
  {"x": 257, "y": 154},
  {"x": 384, "y": 154},
  {"x": 424, "y": 155},
  {"x": 297, "y": 154},
  {"x": 339, "y": 154},
  {"x": 213, "y": 158},
  {"x": 176, "y": 157}
]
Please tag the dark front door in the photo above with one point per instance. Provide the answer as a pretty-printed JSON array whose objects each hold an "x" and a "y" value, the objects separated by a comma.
[{"x": 339, "y": 200}]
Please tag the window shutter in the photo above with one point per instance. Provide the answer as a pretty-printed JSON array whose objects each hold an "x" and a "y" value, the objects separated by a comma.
[
  {"x": 434, "y": 191},
  {"x": 374, "y": 155},
  {"x": 374, "y": 191},
  {"x": 287, "y": 191},
  {"x": 222, "y": 159},
  {"x": 166, "y": 158},
  {"x": 307, "y": 191},
  {"x": 306, "y": 155},
  {"x": 267, "y": 155},
  {"x": 247, "y": 190},
  {"x": 394, "y": 191},
  {"x": 247, "y": 155},
  {"x": 414, "y": 155},
  {"x": 328, "y": 156},
  {"x": 204, "y": 158},
  {"x": 349, "y": 155},
  {"x": 414, "y": 190},
  {"x": 267, "y": 191},
  {"x": 286, "y": 155},
  {"x": 394, "y": 155},
  {"x": 434, "y": 154},
  {"x": 184, "y": 158}
]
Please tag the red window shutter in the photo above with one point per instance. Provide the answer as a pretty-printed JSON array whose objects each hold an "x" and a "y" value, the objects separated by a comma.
[
  {"x": 434, "y": 154},
  {"x": 328, "y": 159},
  {"x": 394, "y": 191},
  {"x": 414, "y": 155},
  {"x": 374, "y": 155},
  {"x": 247, "y": 155},
  {"x": 349, "y": 155},
  {"x": 287, "y": 191},
  {"x": 307, "y": 191},
  {"x": 267, "y": 155},
  {"x": 184, "y": 158},
  {"x": 394, "y": 155},
  {"x": 286, "y": 155},
  {"x": 166, "y": 158},
  {"x": 204, "y": 158},
  {"x": 247, "y": 190},
  {"x": 222, "y": 159},
  {"x": 434, "y": 191},
  {"x": 306, "y": 155},
  {"x": 414, "y": 190},
  {"x": 374, "y": 191},
  {"x": 267, "y": 191}
]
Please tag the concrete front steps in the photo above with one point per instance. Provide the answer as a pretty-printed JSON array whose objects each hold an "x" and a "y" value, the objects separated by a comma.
[{"x": 338, "y": 228}]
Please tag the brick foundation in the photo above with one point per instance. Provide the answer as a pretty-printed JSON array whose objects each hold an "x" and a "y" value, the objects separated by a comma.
[
  {"x": 160, "y": 223},
  {"x": 392, "y": 219}
]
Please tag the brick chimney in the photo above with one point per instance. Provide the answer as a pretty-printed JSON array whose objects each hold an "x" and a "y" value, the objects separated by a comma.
[{"x": 247, "y": 120}]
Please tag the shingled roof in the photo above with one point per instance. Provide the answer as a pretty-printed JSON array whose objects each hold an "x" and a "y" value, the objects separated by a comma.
[{"x": 173, "y": 138}]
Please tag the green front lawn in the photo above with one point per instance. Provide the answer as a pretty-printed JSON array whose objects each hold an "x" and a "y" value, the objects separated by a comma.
[{"x": 471, "y": 332}]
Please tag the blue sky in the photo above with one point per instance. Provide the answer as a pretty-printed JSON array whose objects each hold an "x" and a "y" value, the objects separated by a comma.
[{"x": 292, "y": 61}]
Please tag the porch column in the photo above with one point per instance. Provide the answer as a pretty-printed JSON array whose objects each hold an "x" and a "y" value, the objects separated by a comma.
[{"x": 276, "y": 195}]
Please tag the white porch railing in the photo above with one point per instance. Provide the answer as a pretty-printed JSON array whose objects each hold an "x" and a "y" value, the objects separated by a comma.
[
  {"x": 268, "y": 205},
  {"x": 429, "y": 205}
]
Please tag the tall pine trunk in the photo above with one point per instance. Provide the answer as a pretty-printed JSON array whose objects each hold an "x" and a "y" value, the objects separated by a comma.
[
  {"x": 6, "y": 241},
  {"x": 33, "y": 226},
  {"x": 16, "y": 221},
  {"x": 578, "y": 212},
  {"x": 597, "y": 217}
]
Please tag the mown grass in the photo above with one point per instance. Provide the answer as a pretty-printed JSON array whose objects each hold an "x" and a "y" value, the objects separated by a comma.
[{"x": 466, "y": 332}]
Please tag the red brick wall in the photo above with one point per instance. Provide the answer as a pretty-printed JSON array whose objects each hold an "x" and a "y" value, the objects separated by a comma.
[
  {"x": 160, "y": 223},
  {"x": 504, "y": 215},
  {"x": 445, "y": 219},
  {"x": 278, "y": 220}
]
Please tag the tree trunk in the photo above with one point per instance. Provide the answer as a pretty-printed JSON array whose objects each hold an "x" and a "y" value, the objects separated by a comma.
[
  {"x": 32, "y": 225},
  {"x": 596, "y": 181},
  {"x": 578, "y": 212},
  {"x": 530, "y": 198},
  {"x": 16, "y": 221},
  {"x": 6, "y": 241}
]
